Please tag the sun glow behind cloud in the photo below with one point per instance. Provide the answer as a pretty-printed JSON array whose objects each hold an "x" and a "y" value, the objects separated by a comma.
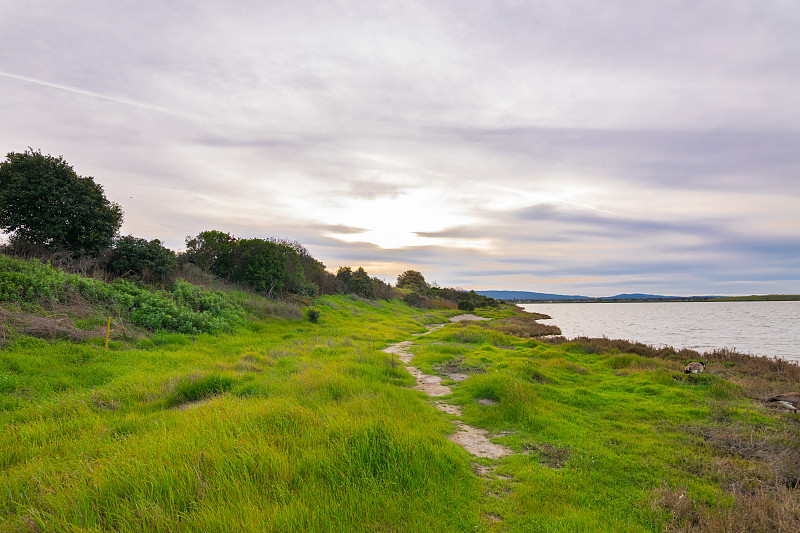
[{"x": 395, "y": 222}]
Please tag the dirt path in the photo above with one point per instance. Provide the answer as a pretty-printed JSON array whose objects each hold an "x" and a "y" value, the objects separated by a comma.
[{"x": 474, "y": 440}]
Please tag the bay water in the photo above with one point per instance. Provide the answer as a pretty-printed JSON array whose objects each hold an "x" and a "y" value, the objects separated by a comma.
[{"x": 757, "y": 328}]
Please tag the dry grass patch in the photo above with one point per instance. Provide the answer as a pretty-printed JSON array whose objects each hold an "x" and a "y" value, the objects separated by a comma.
[
  {"x": 549, "y": 455},
  {"x": 457, "y": 366},
  {"x": 767, "y": 458},
  {"x": 775, "y": 511}
]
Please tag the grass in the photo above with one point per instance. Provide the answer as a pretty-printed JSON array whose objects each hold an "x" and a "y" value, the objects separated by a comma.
[
  {"x": 281, "y": 424},
  {"x": 609, "y": 440},
  {"x": 758, "y": 298}
]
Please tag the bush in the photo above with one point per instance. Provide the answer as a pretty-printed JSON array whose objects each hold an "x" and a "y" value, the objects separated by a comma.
[
  {"x": 466, "y": 305},
  {"x": 148, "y": 260},
  {"x": 413, "y": 299},
  {"x": 186, "y": 309},
  {"x": 312, "y": 315}
]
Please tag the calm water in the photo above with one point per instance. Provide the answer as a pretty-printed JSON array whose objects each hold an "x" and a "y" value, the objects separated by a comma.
[{"x": 758, "y": 328}]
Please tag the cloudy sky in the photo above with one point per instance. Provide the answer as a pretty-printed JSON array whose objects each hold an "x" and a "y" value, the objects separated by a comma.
[{"x": 575, "y": 147}]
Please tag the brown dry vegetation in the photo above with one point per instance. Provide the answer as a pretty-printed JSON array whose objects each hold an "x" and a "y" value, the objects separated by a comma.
[
  {"x": 777, "y": 512},
  {"x": 55, "y": 324},
  {"x": 457, "y": 366}
]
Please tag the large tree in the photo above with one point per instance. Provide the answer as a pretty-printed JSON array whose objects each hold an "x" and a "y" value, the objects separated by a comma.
[{"x": 44, "y": 202}]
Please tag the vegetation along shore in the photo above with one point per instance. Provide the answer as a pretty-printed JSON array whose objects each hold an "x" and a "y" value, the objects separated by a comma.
[{"x": 241, "y": 386}]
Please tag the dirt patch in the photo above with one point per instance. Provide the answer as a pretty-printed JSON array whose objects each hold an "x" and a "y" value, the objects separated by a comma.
[
  {"x": 486, "y": 401},
  {"x": 429, "y": 327},
  {"x": 476, "y": 441},
  {"x": 493, "y": 518},
  {"x": 482, "y": 470},
  {"x": 430, "y": 385},
  {"x": 400, "y": 349},
  {"x": 192, "y": 405},
  {"x": 447, "y": 408}
]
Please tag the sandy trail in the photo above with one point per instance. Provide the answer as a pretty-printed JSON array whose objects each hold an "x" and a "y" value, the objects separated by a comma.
[{"x": 474, "y": 440}]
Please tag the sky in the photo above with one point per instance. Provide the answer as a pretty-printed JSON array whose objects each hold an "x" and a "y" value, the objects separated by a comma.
[{"x": 570, "y": 147}]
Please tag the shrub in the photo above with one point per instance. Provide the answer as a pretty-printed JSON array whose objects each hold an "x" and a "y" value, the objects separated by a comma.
[
  {"x": 312, "y": 315},
  {"x": 148, "y": 260},
  {"x": 413, "y": 298},
  {"x": 187, "y": 309},
  {"x": 466, "y": 305}
]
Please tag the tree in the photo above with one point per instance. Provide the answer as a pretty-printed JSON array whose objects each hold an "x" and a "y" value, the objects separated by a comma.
[
  {"x": 361, "y": 284},
  {"x": 411, "y": 279},
  {"x": 211, "y": 251},
  {"x": 44, "y": 202},
  {"x": 357, "y": 282},
  {"x": 316, "y": 278},
  {"x": 266, "y": 267},
  {"x": 344, "y": 275},
  {"x": 148, "y": 260}
]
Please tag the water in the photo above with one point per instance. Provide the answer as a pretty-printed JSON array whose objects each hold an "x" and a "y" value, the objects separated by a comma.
[{"x": 758, "y": 328}]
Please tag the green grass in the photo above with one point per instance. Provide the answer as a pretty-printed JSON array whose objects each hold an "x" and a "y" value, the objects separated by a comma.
[
  {"x": 286, "y": 425},
  {"x": 281, "y": 426},
  {"x": 598, "y": 436}
]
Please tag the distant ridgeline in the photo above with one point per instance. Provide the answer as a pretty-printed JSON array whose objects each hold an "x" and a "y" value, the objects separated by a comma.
[{"x": 526, "y": 296}]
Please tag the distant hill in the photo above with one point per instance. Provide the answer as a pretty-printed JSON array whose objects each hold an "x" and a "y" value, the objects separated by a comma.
[
  {"x": 637, "y": 296},
  {"x": 536, "y": 296},
  {"x": 525, "y": 295}
]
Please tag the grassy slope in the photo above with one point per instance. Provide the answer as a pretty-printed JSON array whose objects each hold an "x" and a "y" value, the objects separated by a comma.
[
  {"x": 305, "y": 427},
  {"x": 285, "y": 425}
]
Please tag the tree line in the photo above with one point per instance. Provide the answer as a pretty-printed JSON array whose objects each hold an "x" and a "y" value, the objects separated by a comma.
[{"x": 46, "y": 207}]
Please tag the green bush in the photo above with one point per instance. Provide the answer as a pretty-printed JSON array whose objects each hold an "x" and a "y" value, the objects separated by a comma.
[
  {"x": 148, "y": 260},
  {"x": 186, "y": 309},
  {"x": 312, "y": 315},
  {"x": 466, "y": 305},
  {"x": 413, "y": 299}
]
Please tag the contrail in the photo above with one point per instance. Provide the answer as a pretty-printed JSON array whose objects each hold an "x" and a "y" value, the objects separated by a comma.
[{"x": 77, "y": 90}]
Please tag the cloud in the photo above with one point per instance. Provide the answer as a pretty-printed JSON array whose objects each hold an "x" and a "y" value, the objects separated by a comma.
[
  {"x": 502, "y": 146},
  {"x": 93, "y": 94}
]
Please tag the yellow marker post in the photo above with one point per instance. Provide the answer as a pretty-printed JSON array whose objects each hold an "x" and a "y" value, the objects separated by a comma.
[{"x": 108, "y": 330}]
